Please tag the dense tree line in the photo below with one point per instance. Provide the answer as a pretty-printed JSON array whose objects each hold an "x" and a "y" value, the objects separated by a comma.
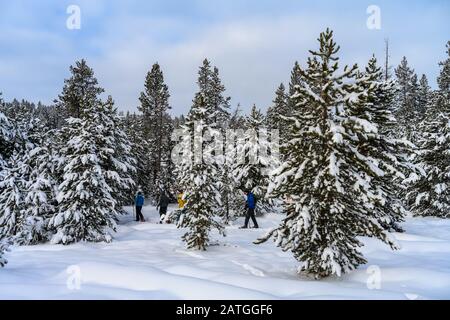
[{"x": 359, "y": 151}]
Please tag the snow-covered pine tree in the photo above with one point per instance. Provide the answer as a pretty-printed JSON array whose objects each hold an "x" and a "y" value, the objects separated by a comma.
[
  {"x": 21, "y": 119},
  {"x": 12, "y": 194},
  {"x": 424, "y": 95},
  {"x": 78, "y": 89},
  {"x": 40, "y": 189},
  {"x": 275, "y": 113},
  {"x": 197, "y": 172},
  {"x": 211, "y": 87},
  {"x": 20, "y": 112},
  {"x": 408, "y": 112},
  {"x": 218, "y": 101},
  {"x": 6, "y": 146},
  {"x": 87, "y": 205},
  {"x": 4, "y": 244},
  {"x": 6, "y": 134},
  {"x": 133, "y": 126},
  {"x": 233, "y": 199},
  {"x": 444, "y": 77},
  {"x": 218, "y": 105},
  {"x": 119, "y": 163},
  {"x": 424, "y": 100},
  {"x": 430, "y": 193},
  {"x": 389, "y": 153},
  {"x": 296, "y": 80},
  {"x": 325, "y": 180},
  {"x": 167, "y": 180},
  {"x": 404, "y": 75},
  {"x": 288, "y": 109},
  {"x": 22, "y": 219},
  {"x": 178, "y": 121},
  {"x": 255, "y": 162},
  {"x": 49, "y": 116},
  {"x": 419, "y": 110},
  {"x": 157, "y": 130},
  {"x": 237, "y": 119}
]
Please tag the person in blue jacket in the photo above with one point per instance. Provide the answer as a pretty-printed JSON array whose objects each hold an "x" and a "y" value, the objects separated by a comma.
[
  {"x": 250, "y": 206},
  {"x": 139, "y": 201}
]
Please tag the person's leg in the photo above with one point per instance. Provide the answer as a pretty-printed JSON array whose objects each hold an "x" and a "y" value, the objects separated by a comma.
[
  {"x": 137, "y": 213},
  {"x": 140, "y": 215},
  {"x": 162, "y": 213},
  {"x": 252, "y": 215},
  {"x": 247, "y": 219}
]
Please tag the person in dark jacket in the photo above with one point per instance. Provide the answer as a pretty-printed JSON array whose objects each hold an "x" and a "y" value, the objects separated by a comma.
[
  {"x": 250, "y": 206},
  {"x": 139, "y": 202},
  {"x": 163, "y": 204}
]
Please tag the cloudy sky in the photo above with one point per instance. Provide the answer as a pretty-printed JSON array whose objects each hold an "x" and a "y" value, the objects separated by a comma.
[{"x": 253, "y": 42}]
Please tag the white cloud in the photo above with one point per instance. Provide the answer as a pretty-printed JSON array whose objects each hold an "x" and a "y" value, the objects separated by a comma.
[{"x": 254, "y": 56}]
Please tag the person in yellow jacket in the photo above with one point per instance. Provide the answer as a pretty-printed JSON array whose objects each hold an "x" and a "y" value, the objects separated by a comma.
[{"x": 181, "y": 201}]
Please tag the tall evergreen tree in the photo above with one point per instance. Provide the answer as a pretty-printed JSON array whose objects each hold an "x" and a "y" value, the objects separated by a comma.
[
  {"x": 20, "y": 219},
  {"x": 415, "y": 99},
  {"x": 210, "y": 85},
  {"x": 30, "y": 187},
  {"x": 404, "y": 76},
  {"x": 430, "y": 192},
  {"x": 391, "y": 154},
  {"x": 21, "y": 118},
  {"x": 237, "y": 119},
  {"x": 93, "y": 170},
  {"x": 219, "y": 102},
  {"x": 197, "y": 172},
  {"x": 255, "y": 161},
  {"x": 424, "y": 95},
  {"x": 79, "y": 91},
  {"x": 444, "y": 77},
  {"x": 17, "y": 173},
  {"x": 330, "y": 196},
  {"x": 217, "y": 105},
  {"x": 86, "y": 207},
  {"x": 40, "y": 189},
  {"x": 120, "y": 163},
  {"x": 133, "y": 126},
  {"x": 157, "y": 130},
  {"x": 233, "y": 200},
  {"x": 276, "y": 112},
  {"x": 296, "y": 80},
  {"x": 167, "y": 177},
  {"x": 408, "y": 112},
  {"x": 284, "y": 127}
]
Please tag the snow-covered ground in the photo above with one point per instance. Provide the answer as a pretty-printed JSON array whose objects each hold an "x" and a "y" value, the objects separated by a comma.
[{"x": 149, "y": 261}]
